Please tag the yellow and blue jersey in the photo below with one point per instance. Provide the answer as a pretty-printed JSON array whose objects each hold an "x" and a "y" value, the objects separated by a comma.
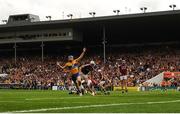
[{"x": 72, "y": 67}]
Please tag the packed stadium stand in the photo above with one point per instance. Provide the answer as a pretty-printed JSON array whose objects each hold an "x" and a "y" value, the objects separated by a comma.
[
  {"x": 148, "y": 42},
  {"x": 143, "y": 63}
]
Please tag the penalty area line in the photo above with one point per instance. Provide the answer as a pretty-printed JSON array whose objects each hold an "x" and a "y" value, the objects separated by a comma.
[{"x": 91, "y": 106}]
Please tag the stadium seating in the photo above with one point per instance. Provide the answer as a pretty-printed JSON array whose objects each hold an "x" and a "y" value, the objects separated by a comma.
[{"x": 143, "y": 63}]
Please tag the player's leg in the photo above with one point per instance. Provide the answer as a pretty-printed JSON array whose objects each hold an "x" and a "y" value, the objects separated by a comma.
[
  {"x": 89, "y": 84},
  {"x": 85, "y": 77},
  {"x": 101, "y": 86},
  {"x": 107, "y": 87},
  {"x": 122, "y": 84},
  {"x": 125, "y": 83},
  {"x": 79, "y": 84},
  {"x": 90, "y": 87},
  {"x": 83, "y": 83},
  {"x": 74, "y": 78}
]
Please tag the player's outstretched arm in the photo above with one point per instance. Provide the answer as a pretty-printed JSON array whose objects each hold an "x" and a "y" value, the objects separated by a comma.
[
  {"x": 85, "y": 65},
  {"x": 62, "y": 67},
  {"x": 82, "y": 54}
]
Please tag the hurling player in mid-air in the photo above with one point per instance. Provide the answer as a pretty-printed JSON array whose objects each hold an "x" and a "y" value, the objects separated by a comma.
[{"x": 72, "y": 67}]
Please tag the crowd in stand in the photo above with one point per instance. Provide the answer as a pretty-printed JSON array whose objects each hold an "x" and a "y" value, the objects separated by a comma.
[{"x": 142, "y": 63}]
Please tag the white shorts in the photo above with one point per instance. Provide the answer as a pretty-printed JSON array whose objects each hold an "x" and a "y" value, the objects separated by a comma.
[
  {"x": 123, "y": 77},
  {"x": 89, "y": 82},
  {"x": 102, "y": 83},
  {"x": 83, "y": 76}
]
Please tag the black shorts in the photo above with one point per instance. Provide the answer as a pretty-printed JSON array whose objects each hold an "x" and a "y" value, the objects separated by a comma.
[{"x": 74, "y": 77}]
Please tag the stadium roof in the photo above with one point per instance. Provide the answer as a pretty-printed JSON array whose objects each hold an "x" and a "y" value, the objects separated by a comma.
[
  {"x": 150, "y": 26},
  {"x": 95, "y": 19}
]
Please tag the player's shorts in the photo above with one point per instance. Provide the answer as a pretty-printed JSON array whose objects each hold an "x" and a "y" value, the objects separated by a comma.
[
  {"x": 123, "y": 77},
  {"x": 89, "y": 82},
  {"x": 102, "y": 82},
  {"x": 83, "y": 76},
  {"x": 75, "y": 76}
]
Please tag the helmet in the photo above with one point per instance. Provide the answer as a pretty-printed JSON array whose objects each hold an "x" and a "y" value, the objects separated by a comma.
[
  {"x": 92, "y": 62},
  {"x": 70, "y": 57}
]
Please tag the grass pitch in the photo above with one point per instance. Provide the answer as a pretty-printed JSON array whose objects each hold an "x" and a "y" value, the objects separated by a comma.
[{"x": 60, "y": 101}]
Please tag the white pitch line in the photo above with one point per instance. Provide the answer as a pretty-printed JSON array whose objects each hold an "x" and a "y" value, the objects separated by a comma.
[{"x": 91, "y": 106}]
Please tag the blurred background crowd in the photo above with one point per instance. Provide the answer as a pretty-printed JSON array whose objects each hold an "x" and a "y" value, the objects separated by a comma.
[{"x": 143, "y": 64}]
